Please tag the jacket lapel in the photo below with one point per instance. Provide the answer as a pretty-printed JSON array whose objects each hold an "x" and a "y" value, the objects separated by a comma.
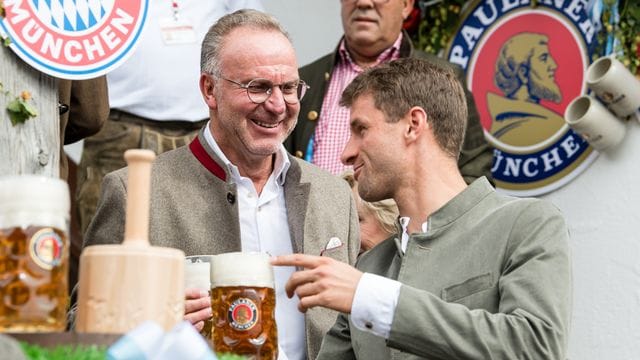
[{"x": 296, "y": 195}]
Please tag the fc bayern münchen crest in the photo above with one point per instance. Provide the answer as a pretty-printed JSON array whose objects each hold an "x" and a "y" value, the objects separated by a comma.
[
  {"x": 524, "y": 64},
  {"x": 73, "y": 39}
]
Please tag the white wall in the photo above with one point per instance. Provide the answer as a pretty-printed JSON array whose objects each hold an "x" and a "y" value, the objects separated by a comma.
[
  {"x": 602, "y": 208},
  {"x": 314, "y": 25}
]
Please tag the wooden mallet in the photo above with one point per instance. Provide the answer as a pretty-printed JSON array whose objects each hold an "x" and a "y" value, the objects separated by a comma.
[{"x": 121, "y": 286}]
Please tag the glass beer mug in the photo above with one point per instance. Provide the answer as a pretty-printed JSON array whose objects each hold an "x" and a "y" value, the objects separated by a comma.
[
  {"x": 243, "y": 301},
  {"x": 197, "y": 275},
  {"x": 34, "y": 253}
]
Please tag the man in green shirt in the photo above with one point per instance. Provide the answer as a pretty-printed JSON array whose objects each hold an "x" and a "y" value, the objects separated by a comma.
[{"x": 470, "y": 274}]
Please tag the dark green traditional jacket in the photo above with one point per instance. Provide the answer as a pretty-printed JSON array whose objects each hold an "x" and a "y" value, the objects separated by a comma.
[{"x": 476, "y": 156}]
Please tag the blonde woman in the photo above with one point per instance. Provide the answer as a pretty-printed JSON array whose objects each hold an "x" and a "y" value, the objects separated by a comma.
[{"x": 377, "y": 219}]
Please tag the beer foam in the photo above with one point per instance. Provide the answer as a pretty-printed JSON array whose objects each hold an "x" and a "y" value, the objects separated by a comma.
[
  {"x": 34, "y": 200},
  {"x": 241, "y": 269},
  {"x": 197, "y": 275}
]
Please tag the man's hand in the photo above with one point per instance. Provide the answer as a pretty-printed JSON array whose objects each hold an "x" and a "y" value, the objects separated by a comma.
[
  {"x": 323, "y": 282},
  {"x": 197, "y": 307}
]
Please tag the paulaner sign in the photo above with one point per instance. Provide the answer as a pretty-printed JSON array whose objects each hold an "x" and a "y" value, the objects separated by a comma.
[
  {"x": 78, "y": 39},
  {"x": 524, "y": 65}
]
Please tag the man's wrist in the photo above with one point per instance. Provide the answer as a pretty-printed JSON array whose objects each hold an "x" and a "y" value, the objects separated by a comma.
[{"x": 374, "y": 304}]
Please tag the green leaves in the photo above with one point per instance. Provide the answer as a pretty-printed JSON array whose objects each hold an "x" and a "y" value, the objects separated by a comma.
[
  {"x": 64, "y": 352},
  {"x": 20, "y": 110},
  {"x": 626, "y": 30},
  {"x": 440, "y": 21}
]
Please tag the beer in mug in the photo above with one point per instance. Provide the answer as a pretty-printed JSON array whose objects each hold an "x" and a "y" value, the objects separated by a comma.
[
  {"x": 34, "y": 253},
  {"x": 243, "y": 301}
]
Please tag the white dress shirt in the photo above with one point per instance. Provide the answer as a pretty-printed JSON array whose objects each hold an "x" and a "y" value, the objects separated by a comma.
[
  {"x": 376, "y": 297},
  {"x": 264, "y": 228},
  {"x": 160, "y": 81}
]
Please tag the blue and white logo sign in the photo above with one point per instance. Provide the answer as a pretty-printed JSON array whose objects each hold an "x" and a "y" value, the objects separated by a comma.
[
  {"x": 524, "y": 64},
  {"x": 73, "y": 39}
]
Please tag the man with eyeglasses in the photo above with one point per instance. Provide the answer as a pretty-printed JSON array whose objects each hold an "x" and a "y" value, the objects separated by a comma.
[
  {"x": 235, "y": 188},
  {"x": 373, "y": 35}
]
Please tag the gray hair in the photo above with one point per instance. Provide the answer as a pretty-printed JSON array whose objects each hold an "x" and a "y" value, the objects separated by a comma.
[{"x": 213, "y": 40}]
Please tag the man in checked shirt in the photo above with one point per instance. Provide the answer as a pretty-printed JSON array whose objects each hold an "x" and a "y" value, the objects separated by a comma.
[{"x": 373, "y": 35}]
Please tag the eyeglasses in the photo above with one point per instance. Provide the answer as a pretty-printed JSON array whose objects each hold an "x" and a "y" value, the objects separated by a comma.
[
  {"x": 349, "y": 2},
  {"x": 259, "y": 90}
]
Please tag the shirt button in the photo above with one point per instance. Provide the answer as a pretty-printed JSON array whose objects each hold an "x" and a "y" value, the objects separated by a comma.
[
  {"x": 231, "y": 198},
  {"x": 327, "y": 76},
  {"x": 368, "y": 325},
  {"x": 312, "y": 115}
]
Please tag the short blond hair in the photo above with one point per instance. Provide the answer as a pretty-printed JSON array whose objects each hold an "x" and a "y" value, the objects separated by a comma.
[{"x": 385, "y": 211}]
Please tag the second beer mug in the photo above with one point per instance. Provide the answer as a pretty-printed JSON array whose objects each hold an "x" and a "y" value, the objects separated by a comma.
[
  {"x": 243, "y": 302},
  {"x": 34, "y": 253},
  {"x": 197, "y": 275}
]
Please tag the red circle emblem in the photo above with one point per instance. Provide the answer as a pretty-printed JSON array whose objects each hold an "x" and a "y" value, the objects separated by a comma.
[
  {"x": 524, "y": 66},
  {"x": 243, "y": 314},
  {"x": 73, "y": 39}
]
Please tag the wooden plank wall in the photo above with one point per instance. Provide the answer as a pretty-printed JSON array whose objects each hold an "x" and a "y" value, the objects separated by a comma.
[{"x": 32, "y": 147}]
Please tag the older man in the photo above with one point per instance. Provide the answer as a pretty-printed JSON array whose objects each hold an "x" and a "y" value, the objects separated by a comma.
[
  {"x": 471, "y": 274},
  {"x": 235, "y": 188},
  {"x": 372, "y": 36}
]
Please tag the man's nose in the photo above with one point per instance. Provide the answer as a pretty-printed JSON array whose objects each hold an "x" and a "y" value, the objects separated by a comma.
[
  {"x": 275, "y": 103},
  {"x": 349, "y": 153},
  {"x": 365, "y": 4}
]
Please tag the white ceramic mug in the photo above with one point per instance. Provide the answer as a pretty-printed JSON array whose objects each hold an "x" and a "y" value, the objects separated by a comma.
[
  {"x": 615, "y": 85},
  {"x": 589, "y": 118}
]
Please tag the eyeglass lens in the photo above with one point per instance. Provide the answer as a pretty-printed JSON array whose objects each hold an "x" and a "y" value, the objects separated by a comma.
[{"x": 259, "y": 90}]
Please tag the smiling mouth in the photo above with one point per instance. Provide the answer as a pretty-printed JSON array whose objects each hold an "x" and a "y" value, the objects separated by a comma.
[
  {"x": 265, "y": 125},
  {"x": 356, "y": 171},
  {"x": 364, "y": 20}
]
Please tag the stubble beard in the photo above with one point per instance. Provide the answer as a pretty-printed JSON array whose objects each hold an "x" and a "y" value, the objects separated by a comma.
[{"x": 372, "y": 189}]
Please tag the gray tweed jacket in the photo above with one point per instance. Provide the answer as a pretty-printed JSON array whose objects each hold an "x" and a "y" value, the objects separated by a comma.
[{"x": 194, "y": 208}]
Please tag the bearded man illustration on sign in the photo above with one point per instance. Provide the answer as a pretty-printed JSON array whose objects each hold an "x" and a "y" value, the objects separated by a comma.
[{"x": 525, "y": 73}]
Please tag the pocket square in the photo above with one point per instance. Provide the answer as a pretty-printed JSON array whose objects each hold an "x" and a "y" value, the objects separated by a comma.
[{"x": 333, "y": 243}]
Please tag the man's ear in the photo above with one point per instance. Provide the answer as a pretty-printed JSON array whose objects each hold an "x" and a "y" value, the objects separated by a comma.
[
  {"x": 408, "y": 7},
  {"x": 207, "y": 88},
  {"x": 416, "y": 123}
]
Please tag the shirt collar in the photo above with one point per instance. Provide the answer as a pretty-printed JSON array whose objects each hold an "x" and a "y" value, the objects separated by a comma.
[
  {"x": 392, "y": 53},
  {"x": 404, "y": 222},
  {"x": 280, "y": 167}
]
